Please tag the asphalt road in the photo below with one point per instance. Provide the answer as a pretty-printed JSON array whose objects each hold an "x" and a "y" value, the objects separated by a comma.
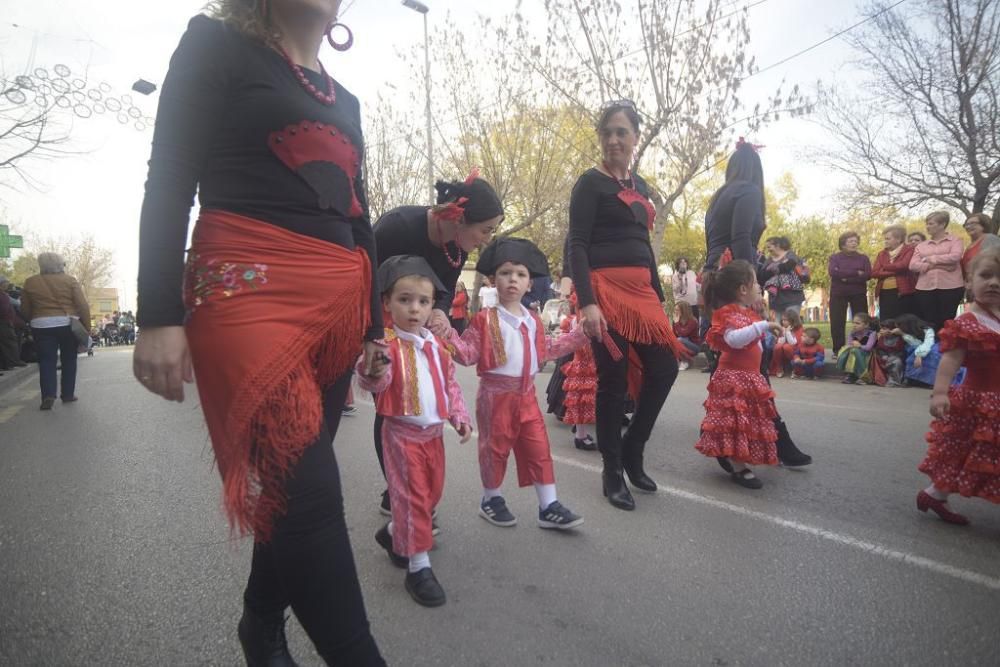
[{"x": 114, "y": 551}]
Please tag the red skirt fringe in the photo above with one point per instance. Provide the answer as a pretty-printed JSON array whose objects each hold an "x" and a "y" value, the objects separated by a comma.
[
  {"x": 632, "y": 307},
  {"x": 274, "y": 318},
  {"x": 739, "y": 418}
]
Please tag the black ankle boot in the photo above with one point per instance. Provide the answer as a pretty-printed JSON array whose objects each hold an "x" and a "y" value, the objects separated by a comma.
[
  {"x": 616, "y": 491},
  {"x": 263, "y": 639},
  {"x": 788, "y": 453},
  {"x": 639, "y": 479}
]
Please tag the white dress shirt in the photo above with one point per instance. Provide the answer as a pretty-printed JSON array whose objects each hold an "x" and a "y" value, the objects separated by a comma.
[
  {"x": 510, "y": 331},
  {"x": 425, "y": 383}
]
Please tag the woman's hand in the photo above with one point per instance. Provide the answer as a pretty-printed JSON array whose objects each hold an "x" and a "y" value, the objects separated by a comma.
[
  {"x": 439, "y": 323},
  {"x": 464, "y": 432},
  {"x": 162, "y": 361},
  {"x": 593, "y": 322},
  {"x": 918, "y": 361},
  {"x": 940, "y": 405},
  {"x": 376, "y": 360}
]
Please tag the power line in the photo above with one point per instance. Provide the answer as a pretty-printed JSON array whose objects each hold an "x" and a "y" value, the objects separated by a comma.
[{"x": 828, "y": 39}]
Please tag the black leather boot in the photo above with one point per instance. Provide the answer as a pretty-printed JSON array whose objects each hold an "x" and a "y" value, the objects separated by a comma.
[
  {"x": 632, "y": 457},
  {"x": 263, "y": 639},
  {"x": 616, "y": 491},
  {"x": 788, "y": 453}
]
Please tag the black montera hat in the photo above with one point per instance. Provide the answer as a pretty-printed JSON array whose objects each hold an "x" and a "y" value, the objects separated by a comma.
[
  {"x": 400, "y": 266},
  {"x": 518, "y": 251}
]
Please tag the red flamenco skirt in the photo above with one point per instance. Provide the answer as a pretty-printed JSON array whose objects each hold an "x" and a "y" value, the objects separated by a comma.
[
  {"x": 580, "y": 387},
  {"x": 739, "y": 418},
  {"x": 632, "y": 307},
  {"x": 964, "y": 447},
  {"x": 274, "y": 318}
]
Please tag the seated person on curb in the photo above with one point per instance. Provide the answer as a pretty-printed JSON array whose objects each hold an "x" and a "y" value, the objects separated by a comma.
[{"x": 809, "y": 356}]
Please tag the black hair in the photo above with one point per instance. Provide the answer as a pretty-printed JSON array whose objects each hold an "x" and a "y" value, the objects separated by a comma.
[
  {"x": 482, "y": 202},
  {"x": 627, "y": 108},
  {"x": 887, "y": 324},
  {"x": 923, "y": 237},
  {"x": 813, "y": 333},
  {"x": 744, "y": 167},
  {"x": 912, "y": 325},
  {"x": 722, "y": 287},
  {"x": 780, "y": 241},
  {"x": 677, "y": 263}
]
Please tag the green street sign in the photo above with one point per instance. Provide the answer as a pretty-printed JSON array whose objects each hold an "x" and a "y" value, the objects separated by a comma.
[{"x": 8, "y": 241}]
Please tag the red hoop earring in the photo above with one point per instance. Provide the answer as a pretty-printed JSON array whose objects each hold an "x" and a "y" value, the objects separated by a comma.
[{"x": 343, "y": 46}]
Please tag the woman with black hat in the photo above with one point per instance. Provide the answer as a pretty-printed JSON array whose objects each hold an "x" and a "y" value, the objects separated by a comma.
[
  {"x": 466, "y": 216},
  {"x": 618, "y": 287}
]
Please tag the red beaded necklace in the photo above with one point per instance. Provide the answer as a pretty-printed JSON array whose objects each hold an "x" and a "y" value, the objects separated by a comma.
[
  {"x": 624, "y": 182},
  {"x": 327, "y": 98},
  {"x": 455, "y": 263}
]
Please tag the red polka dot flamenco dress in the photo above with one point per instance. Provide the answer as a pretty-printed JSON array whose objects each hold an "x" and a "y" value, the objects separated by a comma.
[
  {"x": 739, "y": 411},
  {"x": 964, "y": 446},
  {"x": 580, "y": 383}
]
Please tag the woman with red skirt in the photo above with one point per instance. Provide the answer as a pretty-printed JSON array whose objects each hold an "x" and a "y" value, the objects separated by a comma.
[
  {"x": 621, "y": 300},
  {"x": 277, "y": 299}
]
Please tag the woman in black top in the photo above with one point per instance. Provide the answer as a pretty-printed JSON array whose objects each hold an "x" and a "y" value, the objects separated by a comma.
[
  {"x": 272, "y": 316},
  {"x": 466, "y": 216},
  {"x": 733, "y": 227},
  {"x": 614, "y": 271},
  {"x": 735, "y": 218}
]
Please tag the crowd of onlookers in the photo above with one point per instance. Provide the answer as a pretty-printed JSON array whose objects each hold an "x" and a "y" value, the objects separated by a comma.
[{"x": 920, "y": 283}]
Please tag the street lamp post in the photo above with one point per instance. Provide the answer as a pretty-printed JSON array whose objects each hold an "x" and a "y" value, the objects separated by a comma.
[{"x": 418, "y": 6}]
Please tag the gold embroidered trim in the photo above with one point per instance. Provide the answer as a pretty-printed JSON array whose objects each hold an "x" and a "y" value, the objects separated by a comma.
[
  {"x": 496, "y": 337},
  {"x": 411, "y": 394}
]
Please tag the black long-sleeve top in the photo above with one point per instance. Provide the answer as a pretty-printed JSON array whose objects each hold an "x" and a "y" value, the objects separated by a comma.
[
  {"x": 604, "y": 232},
  {"x": 223, "y": 97},
  {"x": 735, "y": 220},
  {"x": 403, "y": 231}
]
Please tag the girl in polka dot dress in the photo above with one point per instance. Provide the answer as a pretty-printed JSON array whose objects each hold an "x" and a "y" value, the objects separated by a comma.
[
  {"x": 963, "y": 455},
  {"x": 739, "y": 425}
]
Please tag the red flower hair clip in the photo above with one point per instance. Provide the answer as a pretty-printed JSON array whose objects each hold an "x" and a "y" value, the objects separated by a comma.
[
  {"x": 754, "y": 147},
  {"x": 452, "y": 211},
  {"x": 473, "y": 175}
]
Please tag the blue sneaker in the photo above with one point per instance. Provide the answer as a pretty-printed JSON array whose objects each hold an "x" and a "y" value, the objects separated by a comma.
[
  {"x": 559, "y": 517},
  {"x": 495, "y": 511}
]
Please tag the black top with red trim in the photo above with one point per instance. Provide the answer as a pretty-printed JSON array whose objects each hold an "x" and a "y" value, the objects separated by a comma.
[
  {"x": 403, "y": 231},
  {"x": 605, "y": 232},
  {"x": 235, "y": 123}
]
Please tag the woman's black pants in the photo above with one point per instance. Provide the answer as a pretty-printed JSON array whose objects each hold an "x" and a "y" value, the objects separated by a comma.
[
  {"x": 838, "y": 316},
  {"x": 659, "y": 370},
  {"x": 939, "y": 305},
  {"x": 308, "y": 563}
]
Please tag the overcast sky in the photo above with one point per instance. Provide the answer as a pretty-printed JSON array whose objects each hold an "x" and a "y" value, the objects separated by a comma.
[{"x": 114, "y": 41}]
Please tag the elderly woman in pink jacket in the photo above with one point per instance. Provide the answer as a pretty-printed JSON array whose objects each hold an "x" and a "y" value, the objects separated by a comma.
[{"x": 937, "y": 262}]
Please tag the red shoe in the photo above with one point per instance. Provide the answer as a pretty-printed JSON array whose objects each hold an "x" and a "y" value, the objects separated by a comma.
[{"x": 925, "y": 502}]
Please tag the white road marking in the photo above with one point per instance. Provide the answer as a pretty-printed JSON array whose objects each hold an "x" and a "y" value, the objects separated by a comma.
[
  {"x": 8, "y": 413},
  {"x": 887, "y": 553}
]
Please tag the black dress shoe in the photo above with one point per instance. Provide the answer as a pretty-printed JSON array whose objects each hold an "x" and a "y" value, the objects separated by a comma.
[
  {"x": 747, "y": 480},
  {"x": 424, "y": 588},
  {"x": 587, "y": 444},
  {"x": 616, "y": 491},
  {"x": 384, "y": 540},
  {"x": 639, "y": 479},
  {"x": 263, "y": 639}
]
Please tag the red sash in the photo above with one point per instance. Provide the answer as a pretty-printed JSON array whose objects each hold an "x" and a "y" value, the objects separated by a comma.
[{"x": 274, "y": 318}]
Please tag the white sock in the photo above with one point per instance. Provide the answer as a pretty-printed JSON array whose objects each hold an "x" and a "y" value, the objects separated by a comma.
[
  {"x": 419, "y": 561},
  {"x": 934, "y": 492},
  {"x": 581, "y": 431},
  {"x": 488, "y": 494},
  {"x": 739, "y": 466},
  {"x": 546, "y": 494}
]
